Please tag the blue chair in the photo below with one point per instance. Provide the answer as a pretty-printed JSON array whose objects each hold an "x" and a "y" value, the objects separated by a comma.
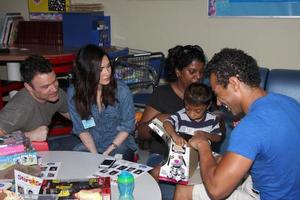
[
  {"x": 264, "y": 73},
  {"x": 284, "y": 81}
]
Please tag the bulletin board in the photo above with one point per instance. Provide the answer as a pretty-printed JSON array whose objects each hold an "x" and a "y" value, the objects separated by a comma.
[{"x": 254, "y": 8}]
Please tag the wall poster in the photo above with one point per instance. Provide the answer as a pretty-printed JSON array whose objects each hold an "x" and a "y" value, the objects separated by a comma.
[{"x": 254, "y": 8}]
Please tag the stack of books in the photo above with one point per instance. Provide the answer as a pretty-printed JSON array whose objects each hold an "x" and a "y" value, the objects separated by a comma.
[
  {"x": 86, "y": 7},
  {"x": 40, "y": 33},
  {"x": 9, "y": 27},
  {"x": 15, "y": 148}
]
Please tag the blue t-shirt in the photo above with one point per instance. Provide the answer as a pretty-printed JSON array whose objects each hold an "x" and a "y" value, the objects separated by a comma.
[
  {"x": 105, "y": 124},
  {"x": 270, "y": 136}
]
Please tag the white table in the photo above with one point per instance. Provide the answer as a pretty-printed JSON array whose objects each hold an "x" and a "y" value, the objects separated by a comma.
[{"x": 79, "y": 165}]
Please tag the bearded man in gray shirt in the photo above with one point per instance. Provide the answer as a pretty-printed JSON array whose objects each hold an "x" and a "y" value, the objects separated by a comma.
[{"x": 33, "y": 107}]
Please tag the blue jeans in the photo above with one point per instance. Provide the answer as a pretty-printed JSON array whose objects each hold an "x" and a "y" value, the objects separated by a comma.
[
  {"x": 167, "y": 189},
  {"x": 123, "y": 149},
  {"x": 63, "y": 143}
]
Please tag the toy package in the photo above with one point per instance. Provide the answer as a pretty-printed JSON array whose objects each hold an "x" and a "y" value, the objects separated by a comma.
[
  {"x": 182, "y": 160},
  {"x": 180, "y": 166}
]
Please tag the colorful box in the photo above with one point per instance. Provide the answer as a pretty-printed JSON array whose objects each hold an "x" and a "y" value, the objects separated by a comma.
[
  {"x": 182, "y": 161},
  {"x": 26, "y": 158},
  {"x": 180, "y": 166}
]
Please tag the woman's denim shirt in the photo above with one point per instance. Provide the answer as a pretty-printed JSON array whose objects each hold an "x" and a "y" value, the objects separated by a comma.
[{"x": 108, "y": 121}]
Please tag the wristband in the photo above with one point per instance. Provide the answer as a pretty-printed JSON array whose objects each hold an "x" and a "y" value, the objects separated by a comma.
[{"x": 114, "y": 145}]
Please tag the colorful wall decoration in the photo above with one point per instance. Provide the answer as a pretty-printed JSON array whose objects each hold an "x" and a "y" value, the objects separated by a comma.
[
  {"x": 45, "y": 6},
  {"x": 254, "y": 8}
]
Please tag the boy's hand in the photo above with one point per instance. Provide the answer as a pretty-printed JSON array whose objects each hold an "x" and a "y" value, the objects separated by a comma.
[{"x": 179, "y": 140}]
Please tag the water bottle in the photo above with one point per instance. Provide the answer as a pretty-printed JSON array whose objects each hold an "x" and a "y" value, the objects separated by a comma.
[{"x": 126, "y": 185}]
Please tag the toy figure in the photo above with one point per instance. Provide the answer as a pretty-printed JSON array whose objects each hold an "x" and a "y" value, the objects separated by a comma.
[{"x": 177, "y": 168}]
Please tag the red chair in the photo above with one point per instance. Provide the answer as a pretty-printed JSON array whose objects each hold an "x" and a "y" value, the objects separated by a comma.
[
  {"x": 62, "y": 64},
  {"x": 60, "y": 126},
  {"x": 6, "y": 87},
  {"x": 40, "y": 146}
]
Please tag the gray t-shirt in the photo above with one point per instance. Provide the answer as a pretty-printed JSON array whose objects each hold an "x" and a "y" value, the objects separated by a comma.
[{"x": 24, "y": 113}]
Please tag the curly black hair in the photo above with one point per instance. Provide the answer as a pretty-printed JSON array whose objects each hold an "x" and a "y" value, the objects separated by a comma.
[
  {"x": 33, "y": 65},
  {"x": 234, "y": 62},
  {"x": 197, "y": 94},
  {"x": 180, "y": 57}
]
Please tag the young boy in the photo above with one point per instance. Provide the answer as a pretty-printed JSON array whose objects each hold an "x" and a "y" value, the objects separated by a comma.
[{"x": 194, "y": 118}]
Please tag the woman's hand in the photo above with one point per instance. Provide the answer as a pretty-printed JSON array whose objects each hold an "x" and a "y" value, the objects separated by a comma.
[
  {"x": 120, "y": 138},
  {"x": 88, "y": 142},
  {"x": 109, "y": 149}
]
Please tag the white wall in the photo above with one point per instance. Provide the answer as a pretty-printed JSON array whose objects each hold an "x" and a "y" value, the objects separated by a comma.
[{"x": 157, "y": 25}]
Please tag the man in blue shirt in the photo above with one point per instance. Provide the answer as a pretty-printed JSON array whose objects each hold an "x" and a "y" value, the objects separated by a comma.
[{"x": 265, "y": 142}]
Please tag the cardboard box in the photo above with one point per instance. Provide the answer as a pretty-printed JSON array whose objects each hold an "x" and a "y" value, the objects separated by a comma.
[
  {"x": 182, "y": 161},
  {"x": 180, "y": 166}
]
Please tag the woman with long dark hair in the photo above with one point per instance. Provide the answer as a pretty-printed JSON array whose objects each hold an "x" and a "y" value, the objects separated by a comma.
[{"x": 101, "y": 107}]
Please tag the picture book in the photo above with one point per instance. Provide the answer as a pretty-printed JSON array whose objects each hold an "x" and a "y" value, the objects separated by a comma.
[{"x": 26, "y": 184}]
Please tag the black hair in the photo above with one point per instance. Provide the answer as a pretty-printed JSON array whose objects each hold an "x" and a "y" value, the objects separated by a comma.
[
  {"x": 86, "y": 76},
  {"x": 33, "y": 65},
  {"x": 234, "y": 62},
  {"x": 197, "y": 94},
  {"x": 180, "y": 57}
]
